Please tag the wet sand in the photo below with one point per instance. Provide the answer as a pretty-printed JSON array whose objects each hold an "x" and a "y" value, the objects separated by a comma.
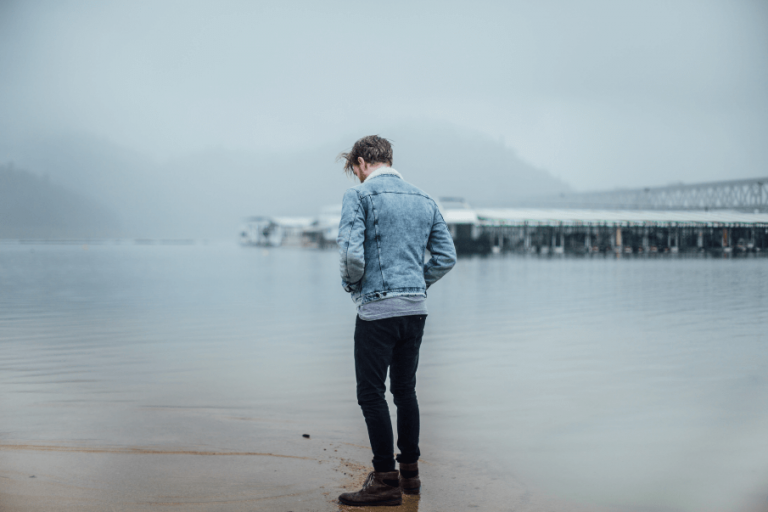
[
  {"x": 223, "y": 459},
  {"x": 299, "y": 475},
  {"x": 133, "y": 478}
]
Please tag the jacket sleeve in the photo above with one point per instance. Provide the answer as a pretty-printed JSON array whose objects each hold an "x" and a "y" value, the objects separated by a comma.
[
  {"x": 440, "y": 246},
  {"x": 350, "y": 241}
]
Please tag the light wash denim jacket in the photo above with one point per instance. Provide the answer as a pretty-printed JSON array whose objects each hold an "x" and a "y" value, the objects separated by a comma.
[{"x": 386, "y": 227}]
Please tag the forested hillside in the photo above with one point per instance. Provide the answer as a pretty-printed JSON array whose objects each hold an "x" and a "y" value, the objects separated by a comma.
[{"x": 33, "y": 207}]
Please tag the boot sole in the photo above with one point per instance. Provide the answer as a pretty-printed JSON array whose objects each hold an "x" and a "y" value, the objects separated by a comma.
[
  {"x": 382, "y": 503},
  {"x": 415, "y": 490}
]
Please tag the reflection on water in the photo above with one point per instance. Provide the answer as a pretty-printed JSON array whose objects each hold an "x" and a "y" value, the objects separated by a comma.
[{"x": 632, "y": 383}]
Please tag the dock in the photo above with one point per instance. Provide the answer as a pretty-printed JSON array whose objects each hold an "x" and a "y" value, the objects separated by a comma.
[
  {"x": 715, "y": 217},
  {"x": 583, "y": 231},
  {"x": 729, "y": 217}
]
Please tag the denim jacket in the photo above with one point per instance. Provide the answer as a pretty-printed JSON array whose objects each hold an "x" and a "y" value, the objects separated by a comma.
[{"x": 386, "y": 227}]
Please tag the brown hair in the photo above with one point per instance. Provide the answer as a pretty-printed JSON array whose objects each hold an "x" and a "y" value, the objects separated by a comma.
[{"x": 373, "y": 149}]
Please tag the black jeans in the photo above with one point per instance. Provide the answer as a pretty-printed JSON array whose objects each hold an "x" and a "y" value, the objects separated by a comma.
[{"x": 389, "y": 343}]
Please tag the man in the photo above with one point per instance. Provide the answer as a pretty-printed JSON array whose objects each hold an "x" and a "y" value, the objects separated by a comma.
[{"x": 387, "y": 226}]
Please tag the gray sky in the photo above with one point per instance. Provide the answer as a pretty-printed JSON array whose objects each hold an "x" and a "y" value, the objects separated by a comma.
[{"x": 599, "y": 93}]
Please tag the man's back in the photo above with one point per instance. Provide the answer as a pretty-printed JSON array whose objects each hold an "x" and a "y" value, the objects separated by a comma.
[{"x": 386, "y": 228}]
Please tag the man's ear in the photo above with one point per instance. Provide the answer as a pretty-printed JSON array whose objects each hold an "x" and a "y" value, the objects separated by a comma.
[{"x": 360, "y": 162}]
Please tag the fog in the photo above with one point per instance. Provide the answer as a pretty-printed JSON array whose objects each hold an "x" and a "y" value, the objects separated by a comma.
[
  {"x": 605, "y": 362},
  {"x": 184, "y": 117}
]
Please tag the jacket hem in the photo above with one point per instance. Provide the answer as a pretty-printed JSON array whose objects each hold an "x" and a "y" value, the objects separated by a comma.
[{"x": 388, "y": 294}]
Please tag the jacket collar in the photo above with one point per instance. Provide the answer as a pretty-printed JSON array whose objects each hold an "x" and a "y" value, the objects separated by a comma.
[{"x": 381, "y": 171}]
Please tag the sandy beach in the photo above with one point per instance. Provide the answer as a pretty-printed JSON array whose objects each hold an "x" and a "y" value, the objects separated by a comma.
[
  {"x": 226, "y": 459},
  {"x": 297, "y": 474},
  {"x": 298, "y": 477}
]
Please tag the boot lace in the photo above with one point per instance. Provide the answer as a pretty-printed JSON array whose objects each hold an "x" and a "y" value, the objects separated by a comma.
[{"x": 369, "y": 479}]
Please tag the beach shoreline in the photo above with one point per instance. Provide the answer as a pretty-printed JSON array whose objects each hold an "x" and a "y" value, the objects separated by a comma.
[{"x": 296, "y": 474}]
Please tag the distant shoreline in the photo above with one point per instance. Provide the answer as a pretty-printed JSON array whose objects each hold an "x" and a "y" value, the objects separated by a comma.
[{"x": 102, "y": 241}]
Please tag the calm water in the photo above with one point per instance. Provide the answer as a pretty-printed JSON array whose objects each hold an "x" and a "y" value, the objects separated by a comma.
[{"x": 637, "y": 384}]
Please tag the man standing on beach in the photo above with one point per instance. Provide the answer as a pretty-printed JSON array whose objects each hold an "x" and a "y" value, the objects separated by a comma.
[{"x": 387, "y": 226}]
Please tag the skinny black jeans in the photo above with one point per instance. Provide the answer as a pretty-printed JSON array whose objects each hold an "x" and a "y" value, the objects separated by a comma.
[{"x": 389, "y": 343}]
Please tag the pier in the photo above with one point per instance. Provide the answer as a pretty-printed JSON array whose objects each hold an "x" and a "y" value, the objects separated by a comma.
[
  {"x": 577, "y": 231},
  {"x": 729, "y": 217},
  {"x": 717, "y": 217},
  {"x": 551, "y": 231}
]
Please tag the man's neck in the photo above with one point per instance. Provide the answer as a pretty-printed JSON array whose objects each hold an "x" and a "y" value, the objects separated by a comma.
[{"x": 368, "y": 170}]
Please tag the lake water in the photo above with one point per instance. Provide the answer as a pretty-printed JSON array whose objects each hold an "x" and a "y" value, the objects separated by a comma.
[{"x": 636, "y": 384}]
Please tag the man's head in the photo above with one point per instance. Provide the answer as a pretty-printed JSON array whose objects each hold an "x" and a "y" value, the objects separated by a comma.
[{"x": 367, "y": 154}]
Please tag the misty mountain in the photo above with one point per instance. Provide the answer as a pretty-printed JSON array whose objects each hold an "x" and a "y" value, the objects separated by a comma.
[
  {"x": 446, "y": 160},
  {"x": 122, "y": 179},
  {"x": 33, "y": 207},
  {"x": 208, "y": 193}
]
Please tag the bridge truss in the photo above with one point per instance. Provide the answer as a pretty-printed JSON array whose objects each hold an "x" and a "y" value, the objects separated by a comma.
[{"x": 744, "y": 195}]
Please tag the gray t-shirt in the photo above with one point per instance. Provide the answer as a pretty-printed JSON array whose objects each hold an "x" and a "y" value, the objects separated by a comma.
[{"x": 396, "y": 306}]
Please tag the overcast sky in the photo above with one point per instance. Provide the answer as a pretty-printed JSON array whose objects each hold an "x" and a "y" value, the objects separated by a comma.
[{"x": 599, "y": 93}]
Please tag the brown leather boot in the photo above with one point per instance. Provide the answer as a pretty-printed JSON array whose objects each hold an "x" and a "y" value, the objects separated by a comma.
[
  {"x": 379, "y": 489},
  {"x": 409, "y": 478}
]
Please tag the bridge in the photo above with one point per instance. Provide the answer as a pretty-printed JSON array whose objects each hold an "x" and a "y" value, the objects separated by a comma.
[{"x": 750, "y": 195}]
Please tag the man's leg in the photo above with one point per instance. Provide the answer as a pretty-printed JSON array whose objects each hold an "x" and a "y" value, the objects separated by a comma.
[
  {"x": 374, "y": 341},
  {"x": 402, "y": 374}
]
